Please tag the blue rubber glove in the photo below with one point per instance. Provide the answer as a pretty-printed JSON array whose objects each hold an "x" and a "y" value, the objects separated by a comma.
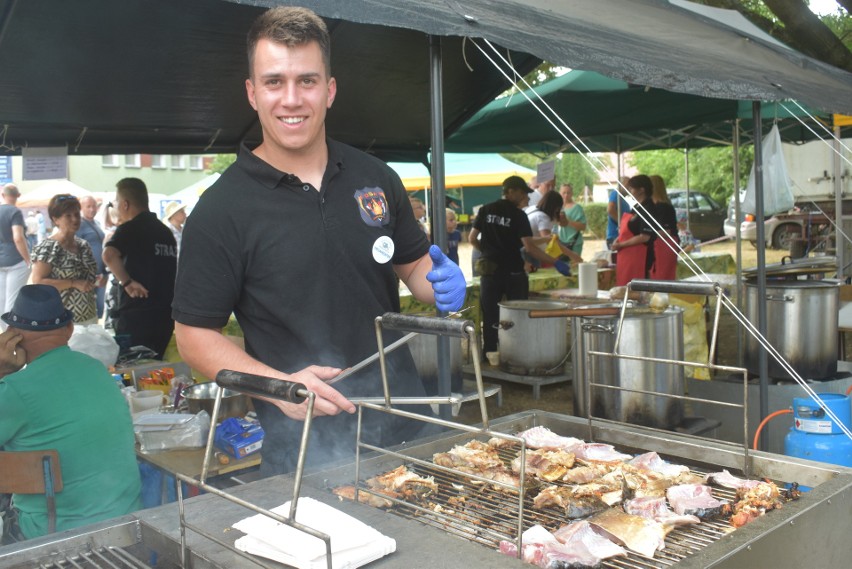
[
  {"x": 447, "y": 281},
  {"x": 562, "y": 267}
]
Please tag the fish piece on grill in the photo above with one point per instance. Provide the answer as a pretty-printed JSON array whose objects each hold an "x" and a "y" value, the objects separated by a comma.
[
  {"x": 636, "y": 533},
  {"x": 599, "y": 452},
  {"x": 348, "y": 493},
  {"x": 576, "y": 504},
  {"x": 584, "y": 472},
  {"x": 655, "y": 508},
  {"x": 542, "y": 437},
  {"x": 403, "y": 483},
  {"x": 584, "y": 541},
  {"x": 755, "y": 501},
  {"x": 696, "y": 500},
  {"x": 545, "y": 464},
  {"x": 727, "y": 480},
  {"x": 475, "y": 454},
  {"x": 542, "y": 549},
  {"x": 651, "y": 462}
]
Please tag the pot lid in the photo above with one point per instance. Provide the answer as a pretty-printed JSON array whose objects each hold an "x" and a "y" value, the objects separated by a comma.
[{"x": 795, "y": 267}]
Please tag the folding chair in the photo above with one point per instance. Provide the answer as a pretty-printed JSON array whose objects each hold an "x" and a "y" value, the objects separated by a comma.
[{"x": 33, "y": 472}]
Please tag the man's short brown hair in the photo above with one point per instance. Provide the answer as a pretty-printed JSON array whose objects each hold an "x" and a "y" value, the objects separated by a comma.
[{"x": 290, "y": 26}]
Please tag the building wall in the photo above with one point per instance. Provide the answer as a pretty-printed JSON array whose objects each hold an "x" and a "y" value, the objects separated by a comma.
[{"x": 163, "y": 174}]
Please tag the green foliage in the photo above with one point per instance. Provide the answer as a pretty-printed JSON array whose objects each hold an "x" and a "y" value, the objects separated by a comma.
[
  {"x": 221, "y": 162},
  {"x": 711, "y": 170},
  {"x": 596, "y": 219},
  {"x": 573, "y": 169}
]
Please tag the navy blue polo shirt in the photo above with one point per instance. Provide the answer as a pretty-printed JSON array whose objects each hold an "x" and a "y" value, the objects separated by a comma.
[
  {"x": 297, "y": 266},
  {"x": 305, "y": 272},
  {"x": 502, "y": 225},
  {"x": 149, "y": 252}
]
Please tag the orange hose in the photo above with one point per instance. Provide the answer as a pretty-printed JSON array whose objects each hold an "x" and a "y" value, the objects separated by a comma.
[
  {"x": 848, "y": 391},
  {"x": 763, "y": 424}
]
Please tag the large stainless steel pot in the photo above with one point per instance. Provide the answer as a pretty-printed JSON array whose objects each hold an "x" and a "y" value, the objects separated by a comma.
[
  {"x": 202, "y": 396},
  {"x": 424, "y": 350},
  {"x": 801, "y": 323},
  {"x": 532, "y": 346},
  {"x": 644, "y": 333}
]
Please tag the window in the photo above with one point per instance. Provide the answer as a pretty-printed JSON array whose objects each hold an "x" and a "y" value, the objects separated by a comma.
[
  {"x": 110, "y": 161},
  {"x": 132, "y": 161},
  {"x": 159, "y": 161},
  {"x": 196, "y": 162},
  {"x": 178, "y": 162}
]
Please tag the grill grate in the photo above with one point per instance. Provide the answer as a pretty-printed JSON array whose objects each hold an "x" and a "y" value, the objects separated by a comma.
[
  {"x": 486, "y": 514},
  {"x": 102, "y": 557}
]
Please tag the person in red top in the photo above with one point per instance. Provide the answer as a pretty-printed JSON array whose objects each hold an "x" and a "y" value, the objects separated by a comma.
[{"x": 635, "y": 242}]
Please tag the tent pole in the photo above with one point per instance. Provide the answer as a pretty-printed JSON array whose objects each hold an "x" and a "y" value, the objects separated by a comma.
[
  {"x": 763, "y": 356},
  {"x": 839, "y": 240},
  {"x": 439, "y": 219},
  {"x": 738, "y": 289}
]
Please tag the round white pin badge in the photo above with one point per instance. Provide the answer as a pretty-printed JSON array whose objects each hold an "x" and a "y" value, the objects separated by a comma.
[{"x": 383, "y": 249}]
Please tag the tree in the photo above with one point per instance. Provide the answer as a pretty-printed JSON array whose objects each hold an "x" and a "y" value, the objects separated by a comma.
[
  {"x": 571, "y": 169},
  {"x": 710, "y": 170},
  {"x": 221, "y": 162},
  {"x": 792, "y": 22}
]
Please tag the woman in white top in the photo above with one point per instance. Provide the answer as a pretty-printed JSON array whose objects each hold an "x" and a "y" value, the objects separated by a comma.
[{"x": 542, "y": 218}]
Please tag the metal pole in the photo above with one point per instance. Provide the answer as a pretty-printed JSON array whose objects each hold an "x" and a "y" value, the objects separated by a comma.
[
  {"x": 839, "y": 240},
  {"x": 439, "y": 219},
  {"x": 738, "y": 290},
  {"x": 763, "y": 356}
]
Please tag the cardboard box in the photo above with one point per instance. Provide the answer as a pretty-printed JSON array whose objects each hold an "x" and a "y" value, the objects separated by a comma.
[{"x": 239, "y": 437}]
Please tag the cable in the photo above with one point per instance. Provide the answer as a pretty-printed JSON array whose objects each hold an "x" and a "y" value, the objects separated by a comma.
[{"x": 763, "y": 424}]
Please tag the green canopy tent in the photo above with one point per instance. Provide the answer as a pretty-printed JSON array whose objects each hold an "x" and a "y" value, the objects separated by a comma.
[{"x": 610, "y": 115}]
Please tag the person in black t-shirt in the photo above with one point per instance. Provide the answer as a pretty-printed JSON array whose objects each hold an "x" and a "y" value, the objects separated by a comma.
[
  {"x": 505, "y": 230},
  {"x": 142, "y": 255}
]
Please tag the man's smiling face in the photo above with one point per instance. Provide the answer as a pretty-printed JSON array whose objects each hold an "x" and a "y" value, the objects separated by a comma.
[{"x": 291, "y": 92}]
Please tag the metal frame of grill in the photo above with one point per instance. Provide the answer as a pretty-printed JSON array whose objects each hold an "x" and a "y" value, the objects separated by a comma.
[{"x": 501, "y": 512}]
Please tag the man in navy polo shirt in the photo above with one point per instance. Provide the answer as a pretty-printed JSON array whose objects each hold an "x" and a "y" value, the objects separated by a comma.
[
  {"x": 505, "y": 230},
  {"x": 303, "y": 239}
]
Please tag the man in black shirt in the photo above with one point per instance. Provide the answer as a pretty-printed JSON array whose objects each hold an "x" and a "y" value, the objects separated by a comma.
[
  {"x": 505, "y": 230},
  {"x": 142, "y": 255}
]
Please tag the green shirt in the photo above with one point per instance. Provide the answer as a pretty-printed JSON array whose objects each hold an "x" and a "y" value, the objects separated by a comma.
[
  {"x": 567, "y": 234},
  {"x": 66, "y": 400}
]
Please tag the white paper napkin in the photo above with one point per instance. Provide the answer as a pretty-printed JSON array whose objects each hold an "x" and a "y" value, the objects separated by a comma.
[{"x": 353, "y": 543}]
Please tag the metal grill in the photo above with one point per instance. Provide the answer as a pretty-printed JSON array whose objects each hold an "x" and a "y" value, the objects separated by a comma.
[
  {"x": 102, "y": 557},
  {"x": 486, "y": 514}
]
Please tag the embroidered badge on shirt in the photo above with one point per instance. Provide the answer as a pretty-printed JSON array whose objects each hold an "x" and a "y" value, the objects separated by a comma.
[{"x": 373, "y": 206}]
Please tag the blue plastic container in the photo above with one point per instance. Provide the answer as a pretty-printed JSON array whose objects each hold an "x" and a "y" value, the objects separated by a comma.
[{"x": 815, "y": 436}]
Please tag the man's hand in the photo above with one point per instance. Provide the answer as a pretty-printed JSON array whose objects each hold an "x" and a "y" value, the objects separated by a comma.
[
  {"x": 329, "y": 401},
  {"x": 136, "y": 290},
  {"x": 12, "y": 356},
  {"x": 447, "y": 281}
]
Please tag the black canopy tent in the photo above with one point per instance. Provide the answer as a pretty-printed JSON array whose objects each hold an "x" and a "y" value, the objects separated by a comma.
[{"x": 166, "y": 77}]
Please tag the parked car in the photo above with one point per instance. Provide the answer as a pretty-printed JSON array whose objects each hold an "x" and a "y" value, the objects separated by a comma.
[
  {"x": 778, "y": 230},
  {"x": 706, "y": 215}
]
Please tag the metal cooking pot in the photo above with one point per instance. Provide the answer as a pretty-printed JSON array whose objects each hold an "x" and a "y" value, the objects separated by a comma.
[
  {"x": 424, "y": 350},
  {"x": 202, "y": 396},
  {"x": 532, "y": 347},
  {"x": 801, "y": 323},
  {"x": 644, "y": 333}
]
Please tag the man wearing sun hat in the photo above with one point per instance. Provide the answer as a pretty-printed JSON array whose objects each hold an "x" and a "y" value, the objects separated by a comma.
[
  {"x": 175, "y": 217},
  {"x": 64, "y": 400}
]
